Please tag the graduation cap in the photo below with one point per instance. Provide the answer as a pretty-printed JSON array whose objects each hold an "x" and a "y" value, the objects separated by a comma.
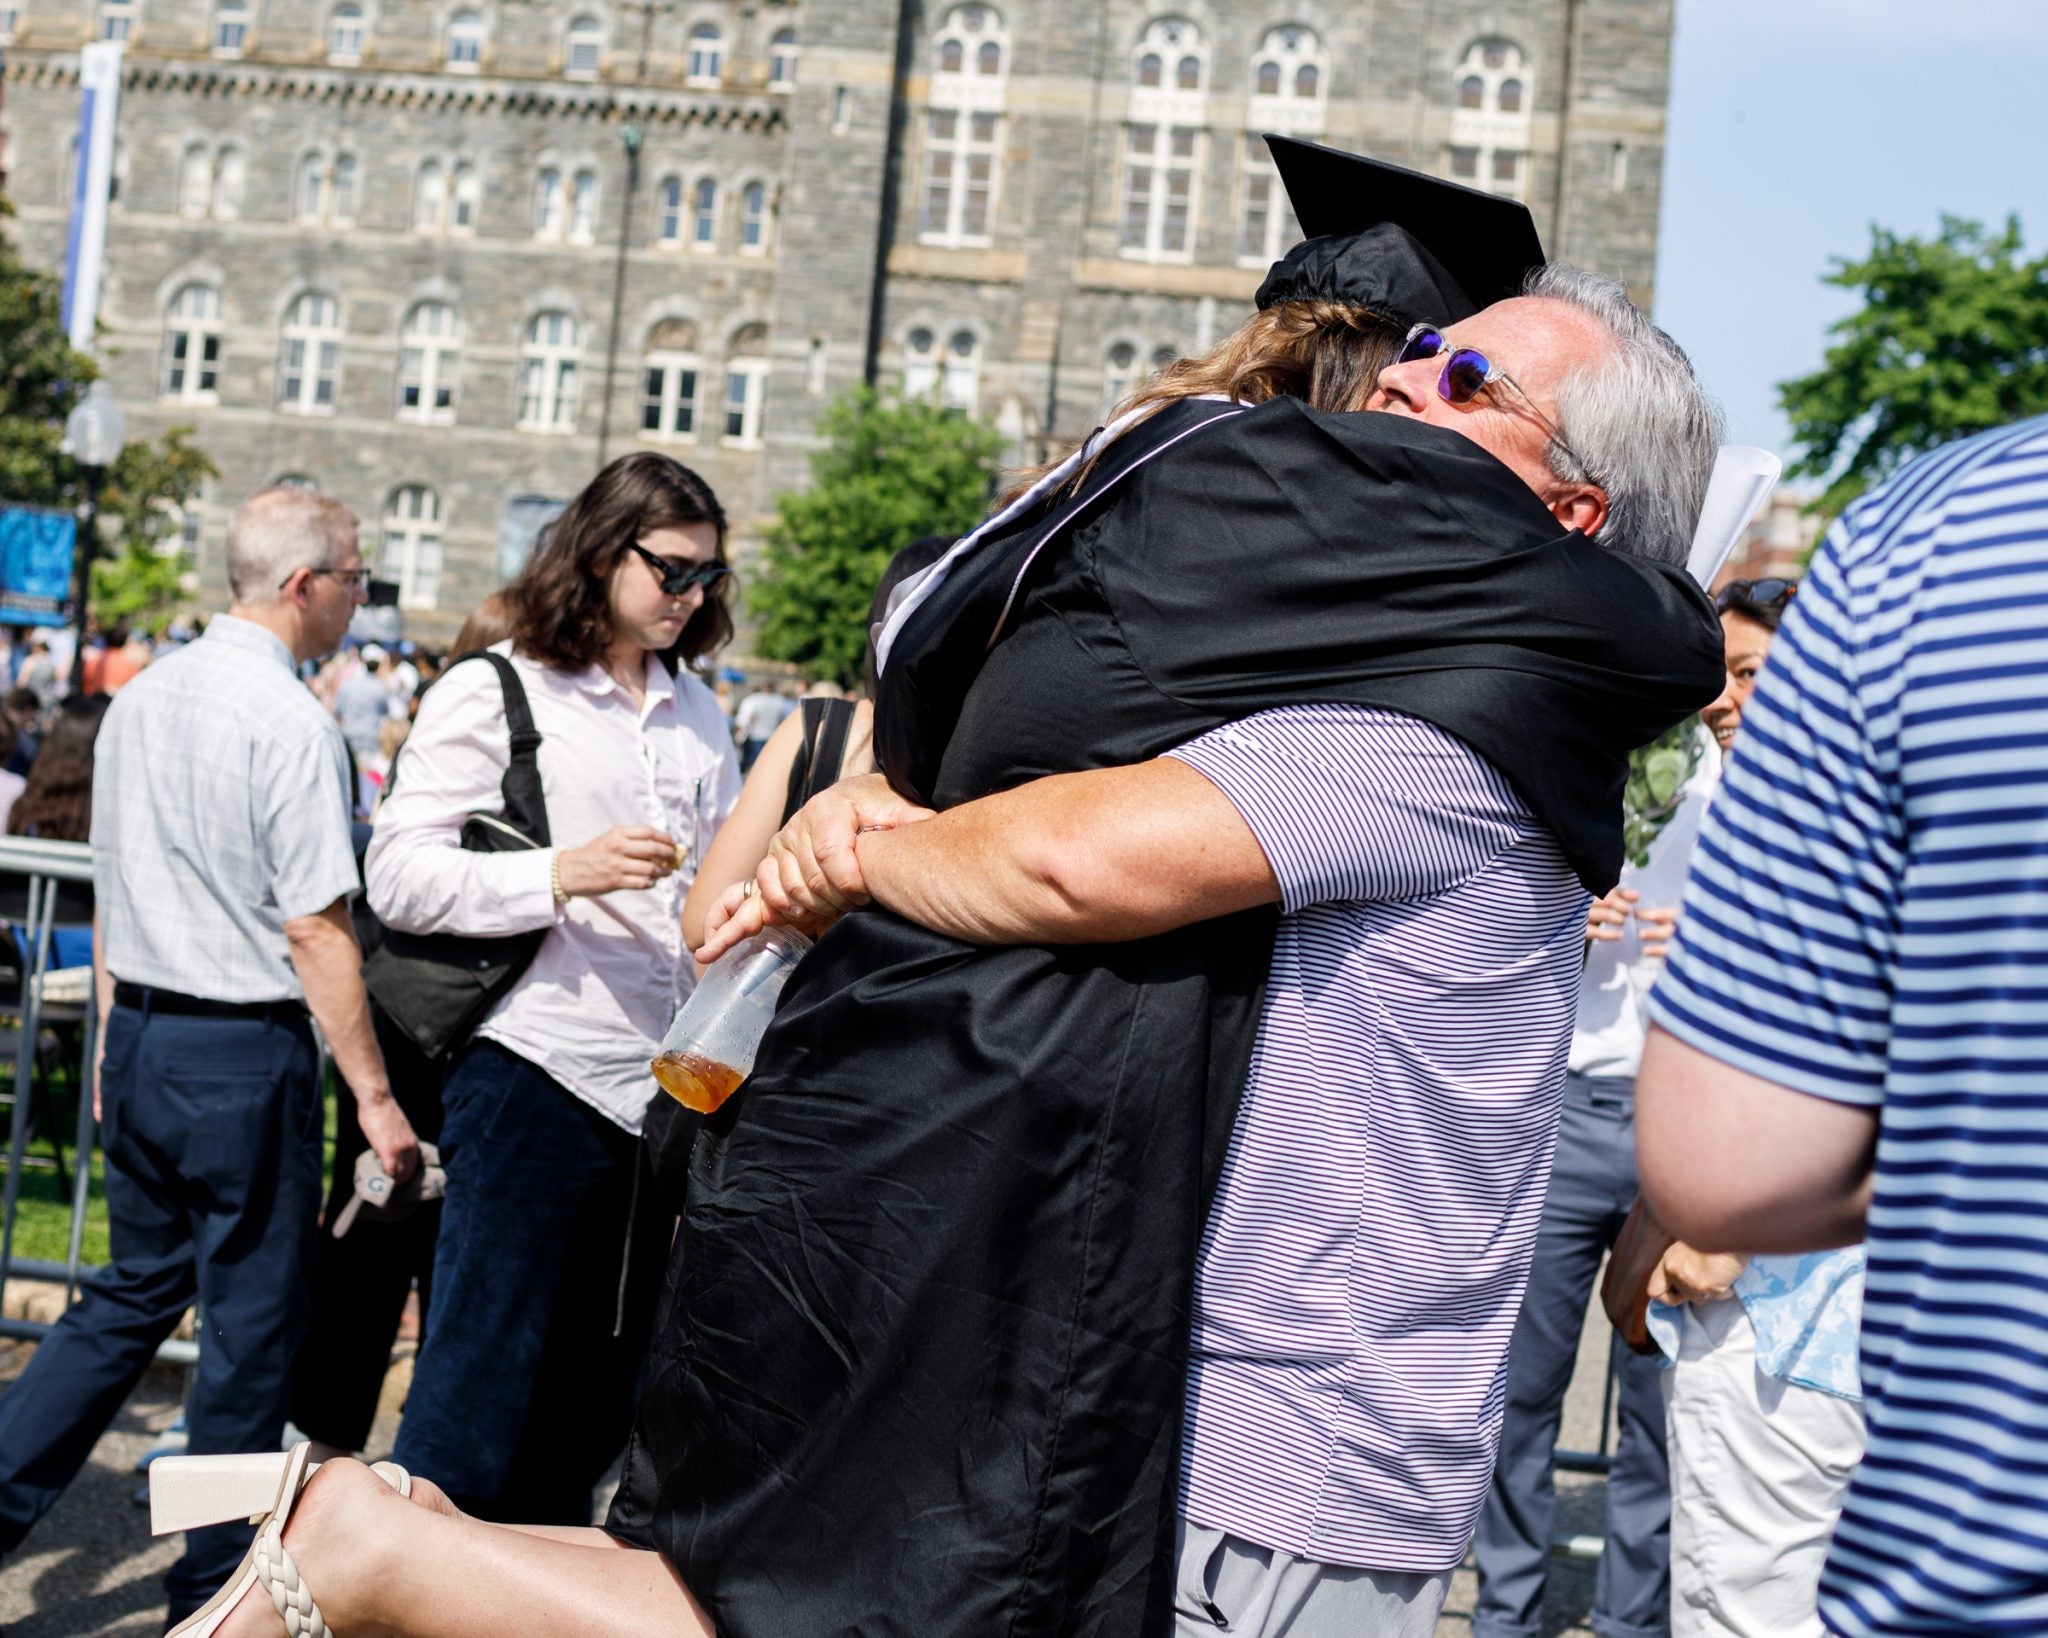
[{"x": 1408, "y": 246}]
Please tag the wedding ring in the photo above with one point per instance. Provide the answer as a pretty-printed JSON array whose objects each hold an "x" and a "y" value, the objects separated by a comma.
[{"x": 751, "y": 889}]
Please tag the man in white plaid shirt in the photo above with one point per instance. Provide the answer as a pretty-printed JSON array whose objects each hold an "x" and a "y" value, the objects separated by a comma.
[{"x": 223, "y": 868}]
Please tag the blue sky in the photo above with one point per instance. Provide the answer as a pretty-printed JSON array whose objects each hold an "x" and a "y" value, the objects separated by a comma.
[{"x": 1795, "y": 124}]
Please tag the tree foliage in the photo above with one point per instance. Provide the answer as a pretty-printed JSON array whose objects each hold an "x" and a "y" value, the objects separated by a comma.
[
  {"x": 1952, "y": 338},
  {"x": 889, "y": 471},
  {"x": 42, "y": 377}
]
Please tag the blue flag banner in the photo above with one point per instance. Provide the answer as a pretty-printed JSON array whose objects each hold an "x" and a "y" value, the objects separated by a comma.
[{"x": 35, "y": 564}]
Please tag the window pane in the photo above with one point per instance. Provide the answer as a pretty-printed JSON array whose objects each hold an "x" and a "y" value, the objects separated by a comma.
[
  {"x": 1269, "y": 79},
  {"x": 650, "y": 401},
  {"x": 1464, "y": 162}
]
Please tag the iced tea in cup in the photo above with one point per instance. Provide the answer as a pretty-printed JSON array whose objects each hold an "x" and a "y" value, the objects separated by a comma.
[{"x": 710, "y": 1047}]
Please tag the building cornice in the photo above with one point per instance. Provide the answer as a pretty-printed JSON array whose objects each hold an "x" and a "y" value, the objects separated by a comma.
[{"x": 545, "y": 98}]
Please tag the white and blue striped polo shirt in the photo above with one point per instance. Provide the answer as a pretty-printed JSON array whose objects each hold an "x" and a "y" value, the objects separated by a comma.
[
  {"x": 1365, "y": 1256},
  {"x": 1868, "y": 923}
]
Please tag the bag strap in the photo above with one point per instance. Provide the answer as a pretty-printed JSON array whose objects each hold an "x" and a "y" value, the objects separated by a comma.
[
  {"x": 526, "y": 804},
  {"x": 818, "y": 758}
]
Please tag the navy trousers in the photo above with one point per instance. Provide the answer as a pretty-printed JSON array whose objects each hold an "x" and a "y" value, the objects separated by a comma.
[
  {"x": 1592, "y": 1187},
  {"x": 547, "y": 1269},
  {"x": 211, "y": 1133}
]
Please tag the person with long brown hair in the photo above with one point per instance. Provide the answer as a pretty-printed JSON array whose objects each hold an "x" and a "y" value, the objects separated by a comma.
[
  {"x": 543, "y": 1273},
  {"x": 56, "y": 804}
]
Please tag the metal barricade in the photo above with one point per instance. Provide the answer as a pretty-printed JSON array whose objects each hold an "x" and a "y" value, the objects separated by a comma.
[{"x": 43, "y": 886}]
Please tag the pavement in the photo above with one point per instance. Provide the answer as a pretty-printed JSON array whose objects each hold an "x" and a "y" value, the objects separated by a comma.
[{"x": 91, "y": 1566}]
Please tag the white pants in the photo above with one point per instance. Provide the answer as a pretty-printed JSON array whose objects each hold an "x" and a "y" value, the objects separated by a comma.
[{"x": 1758, "y": 1468}]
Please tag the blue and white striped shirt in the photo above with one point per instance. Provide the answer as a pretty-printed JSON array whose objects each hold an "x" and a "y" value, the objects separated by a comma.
[
  {"x": 1868, "y": 922},
  {"x": 1365, "y": 1256}
]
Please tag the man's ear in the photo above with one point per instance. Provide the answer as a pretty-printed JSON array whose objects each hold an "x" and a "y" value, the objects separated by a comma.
[{"x": 1581, "y": 506}]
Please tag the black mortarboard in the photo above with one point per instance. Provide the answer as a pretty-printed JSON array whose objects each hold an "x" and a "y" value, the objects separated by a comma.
[{"x": 1408, "y": 246}]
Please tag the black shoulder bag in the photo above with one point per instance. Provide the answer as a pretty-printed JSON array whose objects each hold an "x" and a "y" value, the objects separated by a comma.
[{"x": 438, "y": 987}]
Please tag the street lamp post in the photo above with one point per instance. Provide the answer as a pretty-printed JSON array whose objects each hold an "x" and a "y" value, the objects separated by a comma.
[
  {"x": 630, "y": 138},
  {"x": 93, "y": 433}
]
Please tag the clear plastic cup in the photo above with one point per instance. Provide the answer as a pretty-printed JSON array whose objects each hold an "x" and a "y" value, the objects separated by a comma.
[{"x": 710, "y": 1047}]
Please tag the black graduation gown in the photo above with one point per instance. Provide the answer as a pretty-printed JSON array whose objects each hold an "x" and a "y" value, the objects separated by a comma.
[{"x": 922, "y": 1355}]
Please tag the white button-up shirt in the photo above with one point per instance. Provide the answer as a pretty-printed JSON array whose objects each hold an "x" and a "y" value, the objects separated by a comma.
[{"x": 593, "y": 1007}]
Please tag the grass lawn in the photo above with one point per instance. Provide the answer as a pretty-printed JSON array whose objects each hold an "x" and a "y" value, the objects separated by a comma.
[{"x": 42, "y": 1221}]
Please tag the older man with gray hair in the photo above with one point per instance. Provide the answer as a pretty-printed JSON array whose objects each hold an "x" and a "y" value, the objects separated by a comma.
[{"x": 223, "y": 868}]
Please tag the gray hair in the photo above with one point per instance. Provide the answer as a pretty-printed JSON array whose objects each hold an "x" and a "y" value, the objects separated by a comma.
[
  {"x": 1637, "y": 418},
  {"x": 276, "y": 532}
]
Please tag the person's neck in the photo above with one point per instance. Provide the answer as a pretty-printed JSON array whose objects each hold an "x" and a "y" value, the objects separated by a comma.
[
  {"x": 281, "y": 620},
  {"x": 626, "y": 661}
]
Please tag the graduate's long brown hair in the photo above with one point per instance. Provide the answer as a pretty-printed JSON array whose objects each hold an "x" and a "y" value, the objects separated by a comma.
[{"x": 1326, "y": 353}]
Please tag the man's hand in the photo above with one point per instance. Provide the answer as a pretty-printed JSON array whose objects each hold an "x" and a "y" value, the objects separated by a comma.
[
  {"x": 390, "y": 1134},
  {"x": 1689, "y": 1276},
  {"x": 626, "y": 857},
  {"x": 811, "y": 875},
  {"x": 1605, "y": 920}
]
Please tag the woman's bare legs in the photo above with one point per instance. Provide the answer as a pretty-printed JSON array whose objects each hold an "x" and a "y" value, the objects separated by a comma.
[{"x": 379, "y": 1564}]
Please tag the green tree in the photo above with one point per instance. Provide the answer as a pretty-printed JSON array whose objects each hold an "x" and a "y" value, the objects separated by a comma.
[
  {"x": 889, "y": 471},
  {"x": 41, "y": 378},
  {"x": 1952, "y": 338}
]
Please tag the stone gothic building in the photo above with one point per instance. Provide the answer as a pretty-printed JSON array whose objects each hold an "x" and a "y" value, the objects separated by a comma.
[{"x": 443, "y": 257}]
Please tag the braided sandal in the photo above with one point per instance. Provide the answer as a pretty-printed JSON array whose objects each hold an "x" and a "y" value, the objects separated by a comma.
[{"x": 188, "y": 1491}]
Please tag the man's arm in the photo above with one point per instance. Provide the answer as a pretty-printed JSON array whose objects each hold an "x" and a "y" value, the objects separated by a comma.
[
  {"x": 1730, "y": 1159},
  {"x": 329, "y": 963},
  {"x": 1085, "y": 858}
]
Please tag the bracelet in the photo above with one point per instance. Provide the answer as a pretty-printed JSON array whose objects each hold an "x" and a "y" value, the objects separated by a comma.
[{"x": 555, "y": 876}]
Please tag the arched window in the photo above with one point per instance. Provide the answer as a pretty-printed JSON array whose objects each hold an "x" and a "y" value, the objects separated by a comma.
[
  {"x": 230, "y": 171},
  {"x": 746, "y": 381},
  {"x": 1119, "y": 374},
  {"x": 429, "y": 198},
  {"x": 191, "y": 361},
  {"x": 1491, "y": 126},
  {"x": 550, "y": 204},
  {"x": 117, "y": 19},
  {"x": 963, "y": 128},
  {"x": 704, "y": 215},
  {"x": 311, "y": 355},
  {"x": 782, "y": 60},
  {"x": 920, "y": 362},
  {"x": 466, "y": 199},
  {"x": 668, "y": 400},
  {"x": 585, "y": 47},
  {"x": 195, "y": 181},
  {"x": 1288, "y": 99},
  {"x": 583, "y": 208},
  {"x": 309, "y": 200},
  {"x": 430, "y": 345},
  {"x": 668, "y": 212},
  {"x": 464, "y": 49},
  {"x": 961, "y": 383},
  {"x": 342, "y": 189},
  {"x": 1163, "y": 142},
  {"x": 1163, "y": 356},
  {"x": 549, "y": 362},
  {"x": 410, "y": 552},
  {"x": 230, "y": 28},
  {"x": 293, "y": 480},
  {"x": 707, "y": 54},
  {"x": 754, "y": 219},
  {"x": 345, "y": 34}
]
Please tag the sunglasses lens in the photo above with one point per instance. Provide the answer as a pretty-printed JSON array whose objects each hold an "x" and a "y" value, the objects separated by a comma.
[
  {"x": 1463, "y": 376},
  {"x": 1423, "y": 344}
]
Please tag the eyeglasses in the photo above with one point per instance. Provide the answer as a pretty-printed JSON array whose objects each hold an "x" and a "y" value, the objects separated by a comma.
[
  {"x": 678, "y": 578},
  {"x": 1467, "y": 373},
  {"x": 358, "y": 579},
  {"x": 1756, "y": 593}
]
